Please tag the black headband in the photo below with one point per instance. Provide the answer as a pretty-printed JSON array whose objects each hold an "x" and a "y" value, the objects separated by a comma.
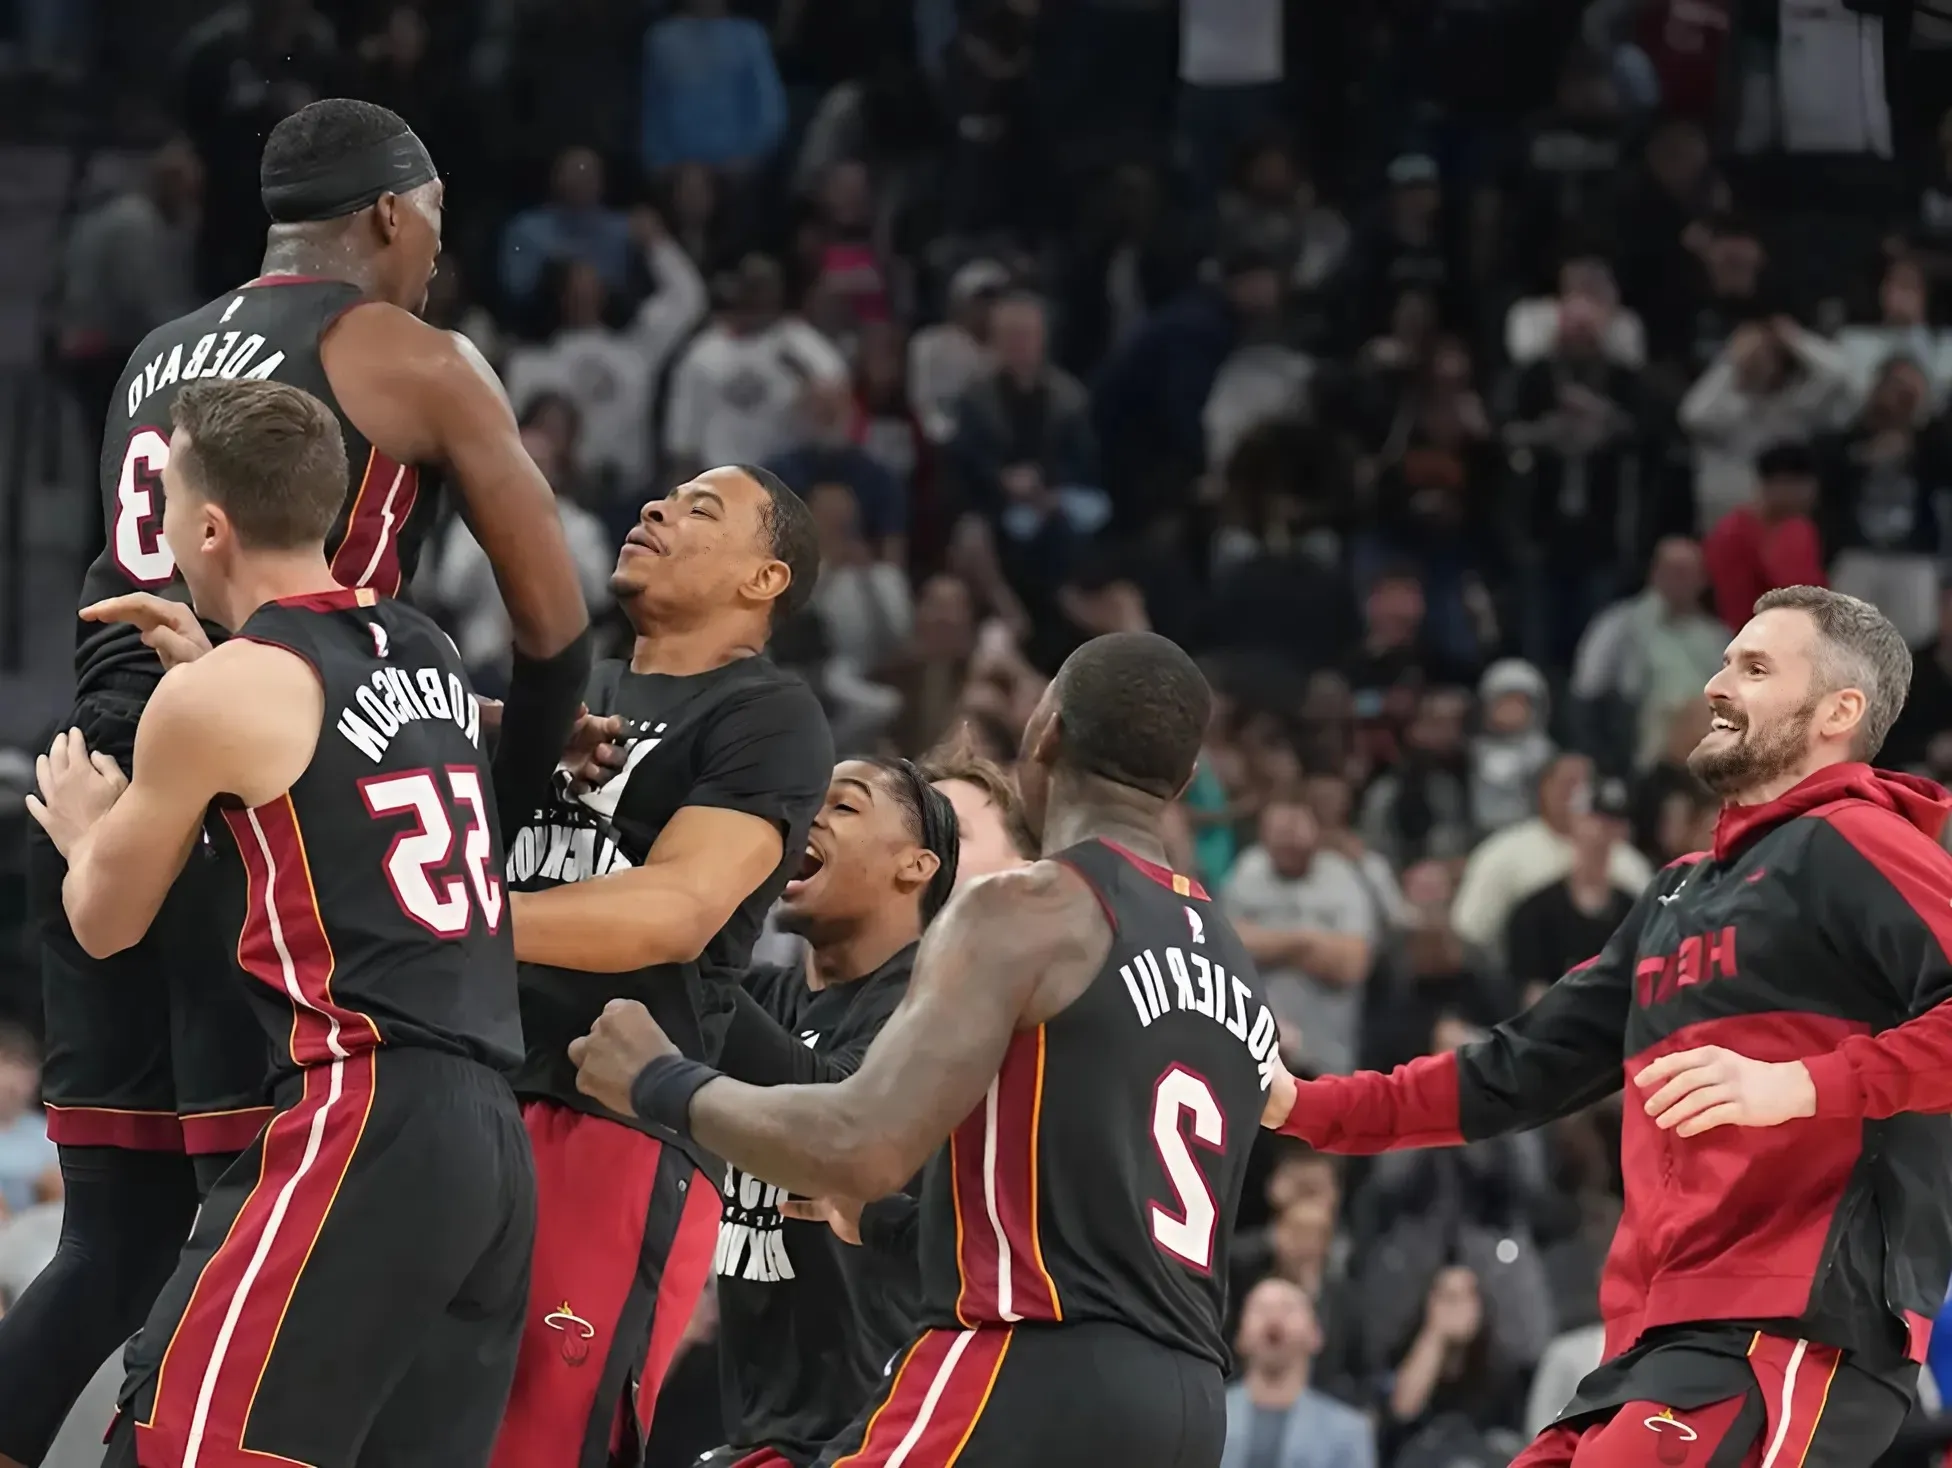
[
  {"x": 306, "y": 192},
  {"x": 940, "y": 833}
]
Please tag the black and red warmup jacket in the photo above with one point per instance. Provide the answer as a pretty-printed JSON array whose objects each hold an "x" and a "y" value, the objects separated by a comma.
[{"x": 1817, "y": 929}]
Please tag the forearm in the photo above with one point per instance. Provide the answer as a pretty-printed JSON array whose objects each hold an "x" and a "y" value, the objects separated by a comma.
[
  {"x": 1334, "y": 958},
  {"x": 1415, "y": 1105},
  {"x": 761, "y": 1051},
  {"x": 809, "y": 1140},
  {"x": 1905, "y": 1069},
  {"x": 116, "y": 882},
  {"x": 544, "y": 696},
  {"x": 607, "y": 925},
  {"x": 1416, "y": 1378}
]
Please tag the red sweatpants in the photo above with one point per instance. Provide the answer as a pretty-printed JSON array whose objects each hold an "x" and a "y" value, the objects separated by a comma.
[
  {"x": 1806, "y": 1409},
  {"x": 624, "y": 1235}
]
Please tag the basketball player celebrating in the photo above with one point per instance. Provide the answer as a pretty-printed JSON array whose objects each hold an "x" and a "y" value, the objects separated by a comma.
[
  {"x": 808, "y": 1323},
  {"x": 151, "y": 1052},
  {"x": 353, "y": 1288},
  {"x": 653, "y": 885},
  {"x": 989, "y": 816},
  {"x": 1088, "y": 1035}
]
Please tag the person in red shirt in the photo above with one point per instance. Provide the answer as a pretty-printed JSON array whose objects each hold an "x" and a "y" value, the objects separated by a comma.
[{"x": 1771, "y": 542}]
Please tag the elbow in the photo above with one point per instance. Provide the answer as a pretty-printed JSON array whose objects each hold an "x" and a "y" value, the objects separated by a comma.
[
  {"x": 99, "y": 936},
  {"x": 874, "y": 1170}
]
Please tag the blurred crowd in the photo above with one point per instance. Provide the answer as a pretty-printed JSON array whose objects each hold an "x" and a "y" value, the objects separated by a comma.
[{"x": 1450, "y": 375}]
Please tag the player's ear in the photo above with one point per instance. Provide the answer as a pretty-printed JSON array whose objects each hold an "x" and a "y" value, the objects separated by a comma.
[
  {"x": 919, "y": 869},
  {"x": 386, "y": 216},
  {"x": 1047, "y": 735},
  {"x": 768, "y": 583}
]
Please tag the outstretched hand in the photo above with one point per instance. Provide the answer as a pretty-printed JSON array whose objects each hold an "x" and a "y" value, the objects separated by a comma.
[
  {"x": 1695, "y": 1091},
  {"x": 169, "y": 627}
]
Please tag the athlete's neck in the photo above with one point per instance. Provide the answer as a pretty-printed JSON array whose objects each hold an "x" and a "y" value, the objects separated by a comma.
[
  {"x": 858, "y": 954},
  {"x": 1083, "y": 807},
  {"x": 1277, "y": 1385},
  {"x": 682, "y": 651},
  {"x": 302, "y": 249},
  {"x": 1777, "y": 788},
  {"x": 267, "y": 576}
]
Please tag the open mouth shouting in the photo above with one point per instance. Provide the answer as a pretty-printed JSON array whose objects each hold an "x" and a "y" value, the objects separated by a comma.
[{"x": 810, "y": 864}]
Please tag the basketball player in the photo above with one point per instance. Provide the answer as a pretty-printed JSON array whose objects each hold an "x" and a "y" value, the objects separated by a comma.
[
  {"x": 1087, "y": 1034},
  {"x": 807, "y": 1323},
  {"x": 653, "y": 885},
  {"x": 989, "y": 815},
  {"x": 353, "y": 1289},
  {"x": 152, "y": 1053}
]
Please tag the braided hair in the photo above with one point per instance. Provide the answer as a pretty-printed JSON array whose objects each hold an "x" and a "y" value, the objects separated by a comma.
[{"x": 931, "y": 820}]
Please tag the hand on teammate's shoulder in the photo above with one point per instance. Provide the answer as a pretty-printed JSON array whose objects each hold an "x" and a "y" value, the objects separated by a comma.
[{"x": 169, "y": 627}]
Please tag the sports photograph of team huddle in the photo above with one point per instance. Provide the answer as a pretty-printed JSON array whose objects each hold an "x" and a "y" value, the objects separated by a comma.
[{"x": 427, "y": 1055}]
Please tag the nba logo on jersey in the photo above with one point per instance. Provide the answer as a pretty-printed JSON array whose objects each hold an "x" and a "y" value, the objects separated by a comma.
[
  {"x": 379, "y": 639},
  {"x": 1196, "y": 925}
]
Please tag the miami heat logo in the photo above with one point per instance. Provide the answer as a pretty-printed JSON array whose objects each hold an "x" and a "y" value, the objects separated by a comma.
[
  {"x": 1675, "y": 1436},
  {"x": 576, "y": 1332}
]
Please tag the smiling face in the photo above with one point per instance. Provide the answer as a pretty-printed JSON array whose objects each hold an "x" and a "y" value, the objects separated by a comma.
[
  {"x": 863, "y": 852},
  {"x": 706, "y": 546},
  {"x": 1764, "y": 705}
]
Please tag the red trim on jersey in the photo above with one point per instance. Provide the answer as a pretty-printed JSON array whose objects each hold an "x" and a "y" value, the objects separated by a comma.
[
  {"x": 109, "y": 1126},
  {"x": 936, "y": 1400},
  {"x": 226, "y": 1335},
  {"x": 211, "y": 1133},
  {"x": 339, "y": 599},
  {"x": 283, "y": 943},
  {"x": 993, "y": 1178},
  {"x": 291, "y": 280},
  {"x": 369, "y": 553},
  {"x": 1179, "y": 884}
]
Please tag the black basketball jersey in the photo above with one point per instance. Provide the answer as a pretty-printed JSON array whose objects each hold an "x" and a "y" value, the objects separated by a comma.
[
  {"x": 745, "y": 737},
  {"x": 368, "y": 900},
  {"x": 269, "y": 328},
  {"x": 1100, "y": 1176}
]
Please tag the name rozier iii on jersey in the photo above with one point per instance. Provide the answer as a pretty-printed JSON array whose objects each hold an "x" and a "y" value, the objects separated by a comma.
[{"x": 1190, "y": 982}]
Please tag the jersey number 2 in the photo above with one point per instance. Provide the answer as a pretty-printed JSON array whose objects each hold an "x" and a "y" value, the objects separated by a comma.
[
  {"x": 137, "y": 537},
  {"x": 441, "y": 904},
  {"x": 1184, "y": 1111}
]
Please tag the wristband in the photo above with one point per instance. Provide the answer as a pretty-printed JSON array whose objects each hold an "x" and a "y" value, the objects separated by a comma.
[{"x": 662, "y": 1091}]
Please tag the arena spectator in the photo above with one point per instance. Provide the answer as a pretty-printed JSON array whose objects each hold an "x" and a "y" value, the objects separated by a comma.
[
  {"x": 1511, "y": 746},
  {"x": 1421, "y": 809},
  {"x": 1887, "y": 474},
  {"x": 737, "y": 390},
  {"x": 1517, "y": 861},
  {"x": 1568, "y": 921},
  {"x": 1645, "y": 657},
  {"x": 1774, "y": 382},
  {"x": 1772, "y": 540},
  {"x": 828, "y": 454},
  {"x": 1568, "y": 158},
  {"x": 1928, "y": 712},
  {"x": 712, "y": 91},
  {"x": 611, "y": 375},
  {"x": 1275, "y": 1417},
  {"x": 1312, "y": 925},
  {"x": 575, "y": 225},
  {"x": 1903, "y": 329}
]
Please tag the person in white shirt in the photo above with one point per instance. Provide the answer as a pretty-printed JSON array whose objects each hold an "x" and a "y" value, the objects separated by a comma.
[
  {"x": 1774, "y": 382},
  {"x": 1510, "y": 866},
  {"x": 611, "y": 376},
  {"x": 945, "y": 360},
  {"x": 736, "y": 391},
  {"x": 1903, "y": 330}
]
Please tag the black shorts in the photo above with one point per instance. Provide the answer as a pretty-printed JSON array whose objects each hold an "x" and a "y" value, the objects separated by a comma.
[
  {"x": 1040, "y": 1396},
  {"x": 156, "y": 1048},
  {"x": 354, "y": 1288}
]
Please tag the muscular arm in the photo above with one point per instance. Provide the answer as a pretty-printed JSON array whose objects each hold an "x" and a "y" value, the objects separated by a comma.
[
  {"x": 1007, "y": 953},
  {"x": 242, "y": 720},
  {"x": 424, "y": 395},
  {"x": 705, "y": 862}
]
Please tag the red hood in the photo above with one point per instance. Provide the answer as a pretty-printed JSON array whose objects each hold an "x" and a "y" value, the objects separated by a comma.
[{"x": 1920, "y": 801}]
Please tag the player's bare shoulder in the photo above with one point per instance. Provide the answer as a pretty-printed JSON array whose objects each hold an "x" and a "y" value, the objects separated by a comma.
[
  {"x": 396, "y": 377},
  {"x": 248, "y": 712},
  {"x": 1042, "y": 921}
]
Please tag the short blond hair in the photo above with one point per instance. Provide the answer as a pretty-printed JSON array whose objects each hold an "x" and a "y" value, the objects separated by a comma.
[{"x": 269, "y": 453}]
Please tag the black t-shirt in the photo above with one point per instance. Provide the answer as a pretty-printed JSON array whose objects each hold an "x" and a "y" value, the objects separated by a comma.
[
  {"x": 744, "y": 737},
  {"x": 808, "y": 1323},
  {"x": 1548, "y": 932}
]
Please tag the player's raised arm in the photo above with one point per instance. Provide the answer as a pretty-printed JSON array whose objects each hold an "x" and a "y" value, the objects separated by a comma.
[
  {"x": 425, "y": 395},
  {"x": 1544, "y": 1062},
  {"x": 1000, "y": 953},
  {"x": 242, "y": 721}
]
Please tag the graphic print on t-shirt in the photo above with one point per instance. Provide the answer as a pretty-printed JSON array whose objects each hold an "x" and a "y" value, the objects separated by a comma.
[{"x": 575, "y": 838}]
